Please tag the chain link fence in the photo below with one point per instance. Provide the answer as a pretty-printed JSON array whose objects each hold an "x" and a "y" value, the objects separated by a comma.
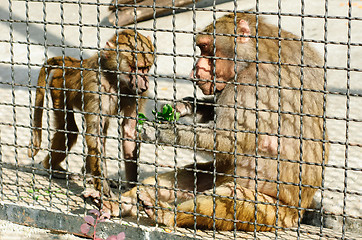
[{"x": 283, "y": 146}]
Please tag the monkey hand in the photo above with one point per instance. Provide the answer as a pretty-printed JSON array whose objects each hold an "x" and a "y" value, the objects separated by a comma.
[
  {"x": 164, "y": 215},
  {"x": 110, "y": 206},
  {"x": 163, "y": 132},
  {"x": 184, "y": 109}
]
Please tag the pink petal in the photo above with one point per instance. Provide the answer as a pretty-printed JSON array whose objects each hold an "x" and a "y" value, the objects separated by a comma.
[
  {"x": 95, "y": 212},
  {"x": 113, "y": 237},
  {"x": 84, "y": 228},
  {"x": 89, "y": 220},
  {"x": 121, "y": 236}
]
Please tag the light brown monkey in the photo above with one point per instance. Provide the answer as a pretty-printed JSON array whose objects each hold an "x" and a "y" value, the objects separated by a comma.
[
  {"x": 269, "y": 148},
  {"x": 104, "y": 77}
]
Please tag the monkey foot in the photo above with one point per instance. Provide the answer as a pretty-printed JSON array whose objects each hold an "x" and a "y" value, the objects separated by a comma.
[
  {"x": 63, "y": 175},
  {"x": 114, "y": 184},
  {"x": 111, "y": 206},
  {"x": 162, "y": 213},
  {"x": 58, "y": 173}
]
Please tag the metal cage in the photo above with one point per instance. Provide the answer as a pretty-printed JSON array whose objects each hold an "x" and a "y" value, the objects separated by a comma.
[{"x": 35, "y": 31}]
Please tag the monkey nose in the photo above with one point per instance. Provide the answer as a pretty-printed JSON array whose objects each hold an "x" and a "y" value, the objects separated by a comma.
[{"x": 141, "y": 90}]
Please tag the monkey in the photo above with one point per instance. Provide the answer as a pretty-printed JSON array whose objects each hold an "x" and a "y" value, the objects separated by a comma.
[
  {"x": 104, "y": 88},
  {"x": 267, "y": 135}
]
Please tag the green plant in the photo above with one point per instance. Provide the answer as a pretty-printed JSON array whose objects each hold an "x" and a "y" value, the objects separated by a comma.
[
  {"x": 141, "y": 119},
  {"x": 90, "y": 222},
  {"x": 41, "y": 192},
  {"x": 168, "y": 114}
]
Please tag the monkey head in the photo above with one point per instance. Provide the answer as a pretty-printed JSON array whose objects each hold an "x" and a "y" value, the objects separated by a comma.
[
  {"x": 131, "y": 54},
  {"x": 216, "y": 66}
]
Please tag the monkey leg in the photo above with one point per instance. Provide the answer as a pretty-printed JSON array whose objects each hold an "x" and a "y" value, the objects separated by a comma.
[
  {"x": 147, "y": 191},
  {"x": 94, "y": 166},
  {"x": 87, "y": 169},
  {"x": 61, "y": 141},
  {"x": 243, "y": 214},
  {"x": 112, "y": 183},
  {"x": 167, "y": 189}
]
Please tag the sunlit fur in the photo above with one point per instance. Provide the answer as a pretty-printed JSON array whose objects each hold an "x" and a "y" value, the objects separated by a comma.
[
  {"x": 76, "y": 84},
  {"x": 264, "y": 115}
]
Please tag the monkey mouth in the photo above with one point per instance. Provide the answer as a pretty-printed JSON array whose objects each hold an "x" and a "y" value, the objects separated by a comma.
[
  {"x": 202, "y": 82},
  {"x": 136, "y": 90},
  {"x": 140, "y": 91}
]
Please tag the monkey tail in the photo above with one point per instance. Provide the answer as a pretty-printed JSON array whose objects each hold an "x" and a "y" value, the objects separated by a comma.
[{"x": 39, "y": 102}]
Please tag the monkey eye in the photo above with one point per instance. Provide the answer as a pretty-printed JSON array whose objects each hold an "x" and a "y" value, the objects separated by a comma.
[
  {"x": 140, "y": 69},
  {"x": 144, "y": 69},
  {"x": 205, "y": 49},
  {"x": 202, "y": 46}
]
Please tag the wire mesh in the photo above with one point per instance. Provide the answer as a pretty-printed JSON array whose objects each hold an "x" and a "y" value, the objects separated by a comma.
[{"x": 176, "y": 175}]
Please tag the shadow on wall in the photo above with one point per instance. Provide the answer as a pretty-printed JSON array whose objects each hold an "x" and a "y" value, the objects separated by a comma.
[
  {"x": 20, "y": 69},
  {"x": 20, "y": 73}
]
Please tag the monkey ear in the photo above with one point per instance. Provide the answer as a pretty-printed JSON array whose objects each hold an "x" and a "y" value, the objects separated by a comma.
[
  {"x": 110, "y": 45},
  {"x": 104, "y": 54},
  {"x": 243, "y": 29}
]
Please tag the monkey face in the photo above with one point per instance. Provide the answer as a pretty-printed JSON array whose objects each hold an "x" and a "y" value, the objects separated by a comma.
[
  {"x": 132, "y": 60},
  {"x": 209, "y": 69},
  {"x": 217, "y": 53},
  {"x": 134, "y": 78},
  {"x": 138, "y": 81}
]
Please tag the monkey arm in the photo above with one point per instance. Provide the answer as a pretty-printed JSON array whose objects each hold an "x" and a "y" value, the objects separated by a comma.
[
  {"x": 130, "y": 147},
  {"x": 204, "y": 108},
  {"x": 203, "y": 135}
]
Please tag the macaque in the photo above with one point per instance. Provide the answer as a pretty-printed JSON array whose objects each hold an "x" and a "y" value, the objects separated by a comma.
[
  {"x": 268, "y": 136},
  {"x": 94, "y": 86}
]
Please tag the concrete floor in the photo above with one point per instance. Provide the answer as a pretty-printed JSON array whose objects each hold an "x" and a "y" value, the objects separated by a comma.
[{"x": 13, "y": 231}]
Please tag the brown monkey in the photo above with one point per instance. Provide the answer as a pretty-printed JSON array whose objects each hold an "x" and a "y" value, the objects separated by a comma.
[
  {"x": 104, "y": 77},
  {"x": 268, "y": 147}
]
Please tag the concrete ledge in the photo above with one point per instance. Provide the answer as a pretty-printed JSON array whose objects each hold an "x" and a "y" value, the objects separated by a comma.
[{"x": 70, "y": 223}]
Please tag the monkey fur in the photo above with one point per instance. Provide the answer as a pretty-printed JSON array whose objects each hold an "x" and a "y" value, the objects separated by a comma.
[
  {"x": 93, "y": 86},
  {"x": 268, "y": 134}
]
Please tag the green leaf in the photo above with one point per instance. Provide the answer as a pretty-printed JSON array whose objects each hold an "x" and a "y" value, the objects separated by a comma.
[
  {"x": 177, "y": 116},
  {"x": 141, "y": 118},
  {"x": 141, "y": 115},
  {"x": 166, "y": 109},
  {"x": 168, "y": 114}
]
